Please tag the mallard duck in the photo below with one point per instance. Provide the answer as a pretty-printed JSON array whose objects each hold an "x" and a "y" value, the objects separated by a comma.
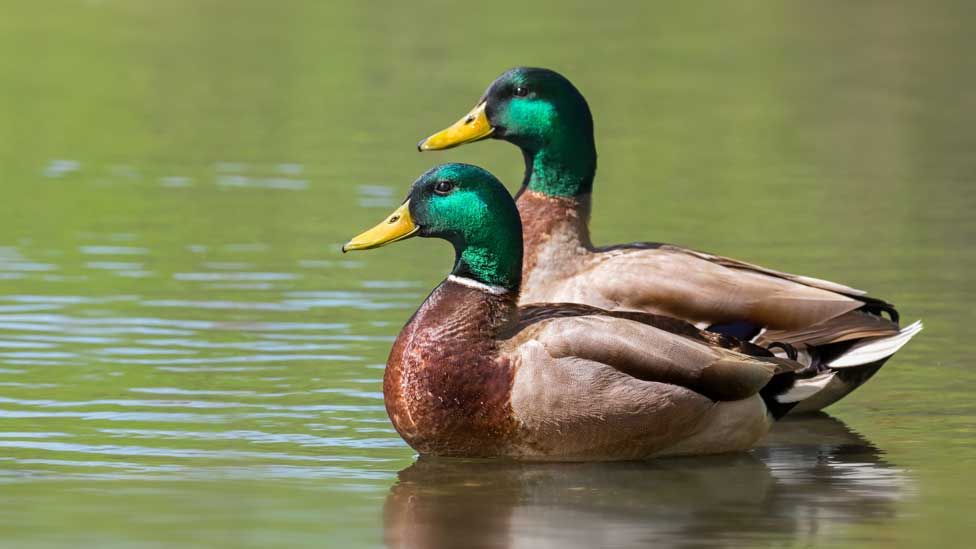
[
  {"x": 830, "y": 325},
  {"x": 472, "y": 374}
]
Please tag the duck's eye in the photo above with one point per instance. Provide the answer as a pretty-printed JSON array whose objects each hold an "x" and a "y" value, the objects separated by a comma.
[
  {"x": 443, "y": 187},
  {"x": 521, "y": 91}
]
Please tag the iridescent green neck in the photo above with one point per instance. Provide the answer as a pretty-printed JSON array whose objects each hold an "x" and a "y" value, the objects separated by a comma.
[
  {"x": 484, "y": 227},
  {"x": 472, "y": 210},
  {"x": 564, "y": 167},
  {"x": 499, "y": 265}
]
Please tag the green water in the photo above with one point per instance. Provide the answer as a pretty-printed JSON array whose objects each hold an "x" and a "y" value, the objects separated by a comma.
[{"x": 187, "y": 359}]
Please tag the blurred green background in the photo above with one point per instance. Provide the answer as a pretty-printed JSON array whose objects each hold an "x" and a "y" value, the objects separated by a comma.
[{"x": 187, "y": 359}]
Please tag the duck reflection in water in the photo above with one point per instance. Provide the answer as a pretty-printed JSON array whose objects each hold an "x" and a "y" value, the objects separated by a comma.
[{"x": 812, "y": 477}]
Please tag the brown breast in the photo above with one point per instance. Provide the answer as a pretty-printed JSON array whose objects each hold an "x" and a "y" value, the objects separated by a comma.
[
  {"x": 446, "y": 389},
  {"x": 553, "y": 222}
]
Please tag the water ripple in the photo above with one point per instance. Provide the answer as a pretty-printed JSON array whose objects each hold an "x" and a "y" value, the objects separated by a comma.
[
  {"x": 238, "y": 359},
  {"x": 261, "y": 437},
  {"x": 193, "y": 381},
  {"x": 144, "y": 451},
  {"x": 151, "y": 417}
]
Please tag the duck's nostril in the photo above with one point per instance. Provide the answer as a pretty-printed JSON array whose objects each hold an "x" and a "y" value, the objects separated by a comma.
[
  {"x": 394, "y": 219},
  {"x": 469, "y": 120}
]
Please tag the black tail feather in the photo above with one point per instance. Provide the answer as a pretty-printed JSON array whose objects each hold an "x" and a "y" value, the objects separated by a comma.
[{"x": 780, "y": 384}]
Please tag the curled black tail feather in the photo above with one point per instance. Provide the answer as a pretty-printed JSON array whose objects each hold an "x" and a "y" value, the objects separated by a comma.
[
  {"x": 877, "y": 306},
  {"x": 787, "y": 348}
]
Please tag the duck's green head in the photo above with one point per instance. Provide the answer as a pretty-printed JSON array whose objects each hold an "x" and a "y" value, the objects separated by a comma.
[
  {"x": 468, "y": 207},
  {"x": 542, "y": 113}
]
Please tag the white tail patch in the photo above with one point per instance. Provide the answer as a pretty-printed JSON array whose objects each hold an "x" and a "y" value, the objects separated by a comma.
[
  {"x": 806, "y": 388},
  {"x": 875, "y": 349}
]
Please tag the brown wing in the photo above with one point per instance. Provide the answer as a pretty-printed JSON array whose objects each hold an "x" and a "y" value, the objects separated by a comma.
[
  {"x": 799, "y": 279},
  {"x": 847, "y": 327},
  {"x": 706, "y": 290},
  {"x": 537, "y": 312},
  {"x": 648, "y": 352}
]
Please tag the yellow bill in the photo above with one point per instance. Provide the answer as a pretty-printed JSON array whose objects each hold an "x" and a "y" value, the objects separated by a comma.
[
  {"x": 395, "y": 227},
  {"x": 471, "y": 127}
]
